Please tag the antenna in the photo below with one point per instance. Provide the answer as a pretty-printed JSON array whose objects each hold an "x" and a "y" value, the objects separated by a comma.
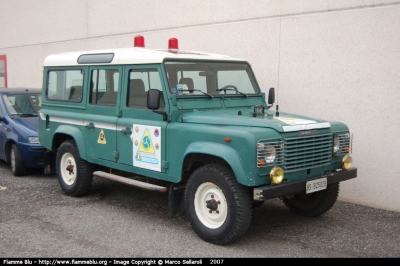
[{"x": 279, "y": 59}]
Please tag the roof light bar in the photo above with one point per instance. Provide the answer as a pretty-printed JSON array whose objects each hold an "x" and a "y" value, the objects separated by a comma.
[
  {"x": 138, "y": 41},
  {"x": 173, "y": 45}
]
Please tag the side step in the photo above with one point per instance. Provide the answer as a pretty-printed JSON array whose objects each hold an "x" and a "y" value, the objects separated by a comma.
[{"x": 131, "y": 182}]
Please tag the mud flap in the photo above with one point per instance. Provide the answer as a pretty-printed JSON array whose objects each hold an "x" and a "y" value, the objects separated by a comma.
[
  {"x": 175, "y": 200},
  {"x": 49, "y": 163}
]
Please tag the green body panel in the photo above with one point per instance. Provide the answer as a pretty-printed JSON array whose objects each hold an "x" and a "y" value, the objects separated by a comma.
[
  {"x": 76, "y": 134},
  {"x": 194, "y": 130}
]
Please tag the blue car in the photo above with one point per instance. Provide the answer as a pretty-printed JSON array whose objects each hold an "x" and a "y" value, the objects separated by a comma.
[{"x": 19, "y": 125}]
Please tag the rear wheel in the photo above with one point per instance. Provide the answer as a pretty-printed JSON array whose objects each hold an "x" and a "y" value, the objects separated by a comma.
[
  {"x": 16, "y": 163},
  {"x": 217, "y": 206},
  {"x": 74, "y": 174},
  {"x": 257, "y": 204},
  {"x": 313, "y": 204}
]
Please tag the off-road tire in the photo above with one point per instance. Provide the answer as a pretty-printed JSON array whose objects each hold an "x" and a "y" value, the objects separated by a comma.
[
  {"x": 74, "y": 181},
  {"x": 256, "y": 204},
  {"x": 17, "y": 165},
  {"x": 218, "y": 184},
  {"x": 313, "y": 204}
]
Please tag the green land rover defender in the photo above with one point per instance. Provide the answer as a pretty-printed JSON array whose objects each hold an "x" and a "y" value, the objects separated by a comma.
[{"x": 191, "y": 124}]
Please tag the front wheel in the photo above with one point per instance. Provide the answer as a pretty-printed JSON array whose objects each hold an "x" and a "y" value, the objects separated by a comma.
[
  {"x": 16, "y": 162},
  {"x": 74, "y": 174},
  {"x": 217, "y": 206},
  {"x": 313, "y": 204}
]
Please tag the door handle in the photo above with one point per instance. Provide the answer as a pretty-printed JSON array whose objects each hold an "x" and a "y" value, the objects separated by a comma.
[
  {"x": 90, "y": 126},
  {"x": 126, "y": 131}
]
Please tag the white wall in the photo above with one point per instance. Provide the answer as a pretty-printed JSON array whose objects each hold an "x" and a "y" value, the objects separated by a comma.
[{"x": 337, "y": 60}]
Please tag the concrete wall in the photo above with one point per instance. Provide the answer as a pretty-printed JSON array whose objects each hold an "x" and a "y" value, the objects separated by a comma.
[{"x": 338, "y": 60}]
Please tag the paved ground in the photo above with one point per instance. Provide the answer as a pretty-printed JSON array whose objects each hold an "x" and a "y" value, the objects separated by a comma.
[{"x": 114, "y": 220}]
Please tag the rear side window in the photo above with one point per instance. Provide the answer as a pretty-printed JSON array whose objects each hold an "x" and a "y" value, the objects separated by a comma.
[
  {"x": 104, "y": 87},
  {"x": 65, "y": 85}
]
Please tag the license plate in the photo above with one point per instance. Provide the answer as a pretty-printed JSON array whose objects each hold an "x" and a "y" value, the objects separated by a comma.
[{"x": 316, "y": 185}]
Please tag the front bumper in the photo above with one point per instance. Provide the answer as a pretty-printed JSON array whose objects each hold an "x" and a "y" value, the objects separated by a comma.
[
  {"x": 274, "y": 191},
  {"x": 32, "y": 154}
]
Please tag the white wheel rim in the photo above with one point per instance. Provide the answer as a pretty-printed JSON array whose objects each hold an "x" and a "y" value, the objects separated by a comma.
[
  {"x": 68, "y": 168},
  {"x": 210, "y": 192},
  {"x": 12, "y": 159}
]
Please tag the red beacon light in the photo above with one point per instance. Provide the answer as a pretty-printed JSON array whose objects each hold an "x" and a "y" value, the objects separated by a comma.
[
  {"x": 173, "y": 45},
  {"x": 138, "y": 41}
]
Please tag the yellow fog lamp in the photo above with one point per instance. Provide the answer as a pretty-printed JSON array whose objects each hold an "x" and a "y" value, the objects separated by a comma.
[
  {"x": 347, "y": 162},
  {"x": 276, "y": 175}
]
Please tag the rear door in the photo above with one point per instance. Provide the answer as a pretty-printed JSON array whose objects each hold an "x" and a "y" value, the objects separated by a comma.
[{"x": 103, "y": 111}]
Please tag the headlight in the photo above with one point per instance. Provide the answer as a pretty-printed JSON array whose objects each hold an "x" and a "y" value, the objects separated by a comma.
[
  {"x": 33, "y": 139},
  {"x": 276, "y": 175},
  {"x": 267, "y": 152},
  {"x": 270, "y": 154},
  {"x": 342, "y": 144},
  {"x": 336, "y": 144}
]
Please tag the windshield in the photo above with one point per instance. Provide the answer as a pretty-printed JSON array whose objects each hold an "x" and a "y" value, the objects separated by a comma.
[
  {"x": 212, "y": 78},
  {"x": 23, "y": 104}
]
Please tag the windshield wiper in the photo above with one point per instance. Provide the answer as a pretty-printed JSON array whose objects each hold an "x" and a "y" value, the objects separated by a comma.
[
  {"x": 20, "y": 114},
  {"x": 233, "y": 89},
  {"x": 209, "y": 95}
]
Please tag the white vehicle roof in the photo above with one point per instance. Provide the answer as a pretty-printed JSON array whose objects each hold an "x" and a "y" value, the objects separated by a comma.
[{"x": 133, "y": 55}]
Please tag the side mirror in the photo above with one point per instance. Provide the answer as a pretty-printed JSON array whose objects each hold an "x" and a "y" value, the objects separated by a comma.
[
  {"x": 271, "y": 96},
  {"x": 153, "y": 99}
]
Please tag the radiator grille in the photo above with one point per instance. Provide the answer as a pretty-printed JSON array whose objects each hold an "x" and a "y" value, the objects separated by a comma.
[
  {"x": 307, "y": 152},
  {"x": 299, "y": 153}
]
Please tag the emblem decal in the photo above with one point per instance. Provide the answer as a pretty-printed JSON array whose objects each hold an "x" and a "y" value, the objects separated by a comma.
[
  {"x": 102, "y": 138},
  {"x": 307, "y": 132}
]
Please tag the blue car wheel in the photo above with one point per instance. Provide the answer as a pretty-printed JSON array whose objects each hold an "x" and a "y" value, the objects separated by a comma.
[{"x": 17, "y": 165}]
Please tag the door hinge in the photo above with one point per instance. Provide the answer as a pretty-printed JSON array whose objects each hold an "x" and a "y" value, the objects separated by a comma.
[
  {"x": 116, "y": 155},
  {"x": 165, "y": 164}
]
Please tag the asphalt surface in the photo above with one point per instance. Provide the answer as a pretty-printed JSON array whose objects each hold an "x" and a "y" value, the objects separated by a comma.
[{"x": 118, "y": 221}]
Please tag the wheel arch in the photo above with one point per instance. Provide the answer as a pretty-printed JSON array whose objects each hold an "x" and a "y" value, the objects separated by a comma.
[
  {"x": 73, "y": 133},
  {"x": 202, "y": 153}
]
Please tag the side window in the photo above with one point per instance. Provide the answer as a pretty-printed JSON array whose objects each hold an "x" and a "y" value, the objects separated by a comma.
[
  {"x": 104, "y": 87},
  {"x": 140, "y": 81},
  {"x": 65, "y": 85}
]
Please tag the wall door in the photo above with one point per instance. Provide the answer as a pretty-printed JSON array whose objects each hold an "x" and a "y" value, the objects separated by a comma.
[{"x": 3, "y": 71}]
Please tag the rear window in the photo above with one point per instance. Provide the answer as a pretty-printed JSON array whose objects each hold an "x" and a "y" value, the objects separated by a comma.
[{"x": 65, "y": 85}]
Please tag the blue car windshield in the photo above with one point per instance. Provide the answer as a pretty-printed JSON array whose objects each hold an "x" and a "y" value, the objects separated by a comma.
[{"x": 23, "y": 104}]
